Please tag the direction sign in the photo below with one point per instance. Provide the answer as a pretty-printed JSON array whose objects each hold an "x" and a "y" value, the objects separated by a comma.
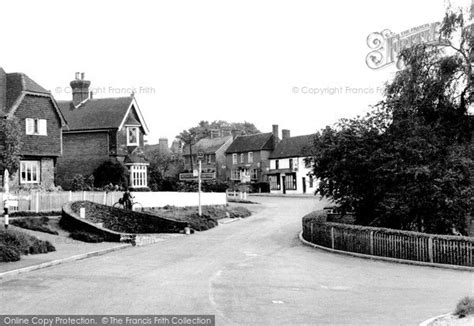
[
  {"x": 191, "y": 177},
  {"x": 200, "y": 155}
]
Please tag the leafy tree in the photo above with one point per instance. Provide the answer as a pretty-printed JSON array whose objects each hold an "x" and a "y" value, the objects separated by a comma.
[
  {"x": 164, "y": 169},
  {"x": 10, "y": 145},
  {"x": 406, "y": 164},
  {"x": 111, "y": 172}
]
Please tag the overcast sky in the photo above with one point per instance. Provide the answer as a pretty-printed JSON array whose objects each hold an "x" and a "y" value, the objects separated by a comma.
[{"x": 212, "y": 60}]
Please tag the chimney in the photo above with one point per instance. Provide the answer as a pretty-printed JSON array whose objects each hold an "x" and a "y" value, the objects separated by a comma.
[
  {"x": 215, "y": 133},
  {"x": 163, "y": 145},
  {"x": 3, "y": 91},
  {"x": 80, "y": 89},
  {"x": 285, "y": 133},
  {"x": 275, "y": 134}
]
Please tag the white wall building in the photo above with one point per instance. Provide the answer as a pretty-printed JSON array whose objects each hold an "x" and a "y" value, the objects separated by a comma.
[{"x": 288, "y": 172}]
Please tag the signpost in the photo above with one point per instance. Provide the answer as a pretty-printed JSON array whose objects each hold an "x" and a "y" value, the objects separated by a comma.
[
  {"x": 200, "y": 156},
  {"x": 6, "y": 201}
]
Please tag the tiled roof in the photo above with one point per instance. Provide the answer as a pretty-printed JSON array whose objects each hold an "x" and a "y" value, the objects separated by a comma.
[
  {"x": 16, "y": 84},
  {"x": 101, "y": 113},
  {"x": 299, "y": 146},
  {"x": 249, "y": 143},
  {"x": 207, "y": 145}
]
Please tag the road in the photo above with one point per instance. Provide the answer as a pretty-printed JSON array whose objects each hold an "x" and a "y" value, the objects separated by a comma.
[{"x": 254, "y": 271}]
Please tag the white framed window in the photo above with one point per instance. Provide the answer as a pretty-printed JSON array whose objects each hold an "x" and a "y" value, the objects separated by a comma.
[
  {"x": 36, "y": 127},
  {"x": 132, "y": 136},
  {"x": 234, "y": 158},
  {"x": 29, "y": 172},
  {"x": 254, "y": 174},
  {"x": 242, "y": 158},
  {"x": 235, "y": 174},
  {"x": 250, "y": 157},
  {"x": 138, "y": 176},
  {"x": 209, "y": 158}
]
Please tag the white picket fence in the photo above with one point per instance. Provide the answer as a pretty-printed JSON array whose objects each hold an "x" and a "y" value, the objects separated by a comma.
[{"x": 53, "y": 201}]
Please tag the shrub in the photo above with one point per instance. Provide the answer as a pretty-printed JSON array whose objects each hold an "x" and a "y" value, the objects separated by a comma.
[
  {"x": 8, "y": 254},
  {"x": 24, "y": 244},
  {"x": 82, "y": 183},
  {"x": 111, "y": 171},
  {"x": 35, "y": 224},
  {"x": 86, "y": 237},
  {"x": 236, "y": 212},
  {"x": 26, "y": 213},
  {"x": 465, "y": 307},
  {"x": 317, "y": 216}
]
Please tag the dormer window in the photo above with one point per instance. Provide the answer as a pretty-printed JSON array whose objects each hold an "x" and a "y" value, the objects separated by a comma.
[{"x": 132, "y": 136}]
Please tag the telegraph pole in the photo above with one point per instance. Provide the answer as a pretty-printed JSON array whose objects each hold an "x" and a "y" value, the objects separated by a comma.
[{"x": 200, "y": 157}]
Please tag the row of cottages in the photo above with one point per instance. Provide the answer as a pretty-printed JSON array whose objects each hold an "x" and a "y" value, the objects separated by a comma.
[
  {"x": 64, "y": 138},
  {"x": 264, "y": 158}
]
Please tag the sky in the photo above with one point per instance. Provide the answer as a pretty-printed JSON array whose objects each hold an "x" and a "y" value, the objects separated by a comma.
[{"x": 296, "y": 63}]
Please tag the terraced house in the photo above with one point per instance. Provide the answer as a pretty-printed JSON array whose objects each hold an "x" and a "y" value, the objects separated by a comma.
[
  {"x": 41, "y": 124},
  {"x": 99, "y": 130},
  {"x": 248, "y": 157}
]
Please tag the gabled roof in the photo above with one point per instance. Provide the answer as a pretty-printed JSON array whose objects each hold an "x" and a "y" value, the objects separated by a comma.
[
  {"x": 299, "y": 146},
  {"x": 101, "y": 113},
  {"x": 207, "y": 145},
  {"x": 15, "y": 87},
  {"x": 256, "y": 142}
]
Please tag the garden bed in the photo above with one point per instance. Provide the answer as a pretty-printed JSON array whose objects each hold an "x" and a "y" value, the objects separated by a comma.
[
  {"x": 14, "y": 243},
  {"x": 209, "y": 218},
  {"x": 40, "y": 224}
]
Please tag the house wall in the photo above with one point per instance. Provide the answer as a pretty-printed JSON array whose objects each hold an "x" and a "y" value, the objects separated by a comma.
[
  {"x": 260, "y": 162},
  {"x": 299, "y": 167},
  {"x": 82, "y": 154},
  {"x": 40, "y": 107},
  {"x": 121, "y": 141},
  {"x": 47, "y": 174}
]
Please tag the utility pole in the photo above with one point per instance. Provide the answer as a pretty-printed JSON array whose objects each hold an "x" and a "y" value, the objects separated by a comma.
[
  {"x": 6, "y": 201},
  {"x": 200, "y": 157}
]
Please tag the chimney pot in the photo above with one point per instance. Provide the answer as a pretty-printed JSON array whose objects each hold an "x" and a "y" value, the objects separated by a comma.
[
  {"x": 82, "y": 75},
  {"x": 285, "y": 133},
  {"x": 78, "y": 75}
]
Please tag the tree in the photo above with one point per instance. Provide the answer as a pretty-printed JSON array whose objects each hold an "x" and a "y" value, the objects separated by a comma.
[
  {"x": 164, "y": 169},
  {"x": 111, "y": 172},
  {"x": 10, "y": 145},
  {"x": 406, "y": 164}
]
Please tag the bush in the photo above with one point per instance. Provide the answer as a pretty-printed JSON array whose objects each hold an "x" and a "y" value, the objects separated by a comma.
[
  {"x": 82, "y": 183},
  {"x": 12, "y": 241},
  {"x": 465, "y": 307},
  {"x": 35, "y": 224},
  {"x": 25, "y": 213},
  {"x": 8, "y": 254},
  {"x": 317, "y": 216},
  {"x": 111, "y": 171},
  {"x": 86, "y": 237}
]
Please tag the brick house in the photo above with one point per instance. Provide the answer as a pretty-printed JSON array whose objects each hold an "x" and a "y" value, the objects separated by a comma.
[
  {"x": 214, "y": 150},
  {"x": 247, "y": 158},
  {"x": 288, "y": 171},
  {"x": 99, "y": 130},
  {"x": 41, "y": 123}
]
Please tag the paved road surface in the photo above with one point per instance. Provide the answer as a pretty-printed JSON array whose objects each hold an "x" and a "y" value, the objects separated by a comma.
[{"x": 254, "y": 271}]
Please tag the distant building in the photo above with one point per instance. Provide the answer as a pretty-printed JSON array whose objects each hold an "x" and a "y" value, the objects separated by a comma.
[
  {"x": 99, "y": 130},
  {"x": 247, "y": 158},
  {"x": 41, "y": 124},
  {"x": 214, "y": 160},
  {"x": 289, "y": 173}
]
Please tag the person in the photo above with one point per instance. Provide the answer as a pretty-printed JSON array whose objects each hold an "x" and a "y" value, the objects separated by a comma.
[{"x": 127, "y": 199}]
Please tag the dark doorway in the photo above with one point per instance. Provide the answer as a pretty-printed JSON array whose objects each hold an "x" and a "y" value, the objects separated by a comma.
[
  {"x": 304, "y": 185},
  {"x": 283, "y": 179}
]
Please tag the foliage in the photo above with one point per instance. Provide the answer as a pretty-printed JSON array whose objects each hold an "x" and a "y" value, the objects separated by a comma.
[
  {"x": 35, "y": 224},
  {"x": 14, "y": 243},
  {"x": 206, "y": 186},
  {"x": 406, "y": 164},
  {"x": 465, "y": 307},
  {"x": 82, "y": 183},
  {"x": 10, "y": 145},
  {"x": 164, "y": 170},
  {"x": 110, "y": 171}
]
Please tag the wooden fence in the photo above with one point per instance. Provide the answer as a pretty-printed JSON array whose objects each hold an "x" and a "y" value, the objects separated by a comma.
[{"x": 407, "y": 245}]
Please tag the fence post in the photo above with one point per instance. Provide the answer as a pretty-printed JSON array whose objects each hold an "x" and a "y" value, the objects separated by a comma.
[
  {"x": 430, "y": 249},
  {"x": 83, "y": 195},
  {"x": 311, "y": 230},
  {"x": 332, "y": 237},
  {"x": 371, "y": 242},
  {"x": 37, "y": 202},
  {"x": 105, "y": 198},
  {"x": 70, "y": 195}
]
